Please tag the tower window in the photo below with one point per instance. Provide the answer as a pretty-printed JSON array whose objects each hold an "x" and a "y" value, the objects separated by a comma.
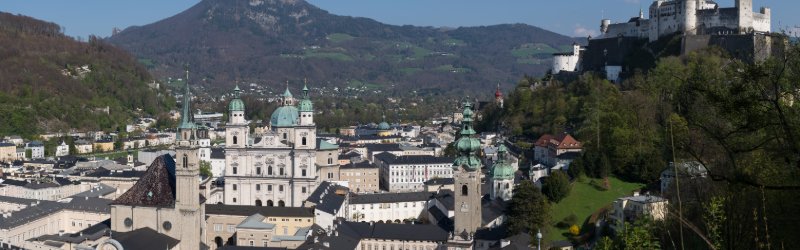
[
  {"x": 185, "y": 161},
  {"x": 280, "y": 188},
  {"x": 464, "y": 190},
  {"x": 280, "y": 171},
  {"x": 269, "y": 170},
  {"x": 234, "y": 170},
  {"x": 284, "y": 136},
  {"x": 330, "y": 161},
  {"x": 258, "y": 187},
  {"x": 234, "y": 187},
  {"x": 506, "y": 185},
  {"x": 303, "y": 172},
  {"x": 304, "y": 141},
  {"x": 258, "y": 170},
  {"x": 235, "y": 140}
]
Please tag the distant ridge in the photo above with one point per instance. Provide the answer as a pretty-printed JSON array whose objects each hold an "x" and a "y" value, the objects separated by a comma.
[{"x": 271, "y": 41}]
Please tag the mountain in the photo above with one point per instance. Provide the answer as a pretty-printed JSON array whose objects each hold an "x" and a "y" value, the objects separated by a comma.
[
  {"x": 50, "y": 82},
  {"x": 272, "y": 41}
]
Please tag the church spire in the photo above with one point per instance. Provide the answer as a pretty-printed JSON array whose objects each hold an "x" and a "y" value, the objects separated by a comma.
[{"x": 187, "y": 120}]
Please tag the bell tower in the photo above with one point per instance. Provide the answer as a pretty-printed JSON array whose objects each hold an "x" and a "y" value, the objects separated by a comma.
[
  {"x": 502, "y": 176},
  {"x": 467, "y": 177},
  {"x": 236, "y": 131},
  {"x": 189, "y": 210}
]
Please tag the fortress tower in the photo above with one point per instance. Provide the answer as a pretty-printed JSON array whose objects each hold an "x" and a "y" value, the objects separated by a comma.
[{"x": 690, "y": 17}]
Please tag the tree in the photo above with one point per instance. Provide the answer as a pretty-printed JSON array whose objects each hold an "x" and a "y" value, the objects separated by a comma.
[
  {"x": 575, "y": 169},
  {"x": 529, "y": 209},
  {"x": 205, "y": 169},
  {"x": 604, "y": 243},
  {"x": 556, "y": 186},
  {"x": 640, "y": 235}
]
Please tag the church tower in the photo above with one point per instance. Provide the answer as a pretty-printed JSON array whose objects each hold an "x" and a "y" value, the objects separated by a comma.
[
  {"x": 236, "y": 131},
  {"x": 690, "y": 17},
  {"x": 498, "y": 96},
  {"x": 190, "y": 211},
  {"x": 502, "y": 176},
  {"x": 467, "y": 176},
  {"x": 305, "y": 131},
  {"x": 187, "y": 130}
]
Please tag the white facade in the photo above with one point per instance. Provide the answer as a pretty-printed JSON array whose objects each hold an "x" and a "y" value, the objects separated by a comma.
[
  {"x": 394, "y": 212},
  {"x": 37, "y": 150},
  {"x": 62, "y": 149},
  {"x": 692, "y": 17},
  {"x": 408, "y": 173},
  {"x": 568, "y": 62}
]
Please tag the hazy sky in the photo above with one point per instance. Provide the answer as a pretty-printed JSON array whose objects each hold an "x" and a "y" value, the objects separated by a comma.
[{"x": 568, "y": 17}]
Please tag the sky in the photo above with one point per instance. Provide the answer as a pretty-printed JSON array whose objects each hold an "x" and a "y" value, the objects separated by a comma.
[{"x": 578, "y": 18}]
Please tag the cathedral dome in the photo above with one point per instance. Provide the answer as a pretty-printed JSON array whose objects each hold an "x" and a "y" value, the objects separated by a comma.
[
  {"x": 285, "y": 116},
  {"x": 236, "y": 105}
]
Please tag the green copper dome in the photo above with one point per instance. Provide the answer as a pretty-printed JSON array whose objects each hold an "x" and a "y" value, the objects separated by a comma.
[
  {"x": 501, "y": 168},
  {"x": 236, "y": 104},
  {"x": 285, "y": 116},
  {"x": 287, "y": 93},
  {"x": 306, "y": 105},
  {"x": 467, "y": 145},
  {"x": 384, "y": 125}
]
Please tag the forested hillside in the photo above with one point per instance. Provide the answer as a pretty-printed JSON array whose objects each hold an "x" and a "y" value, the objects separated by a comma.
[
  {"x": 50, "y": 82},
  {"x": 271, "y": 41},
  {"x": 737, "y": 119}
]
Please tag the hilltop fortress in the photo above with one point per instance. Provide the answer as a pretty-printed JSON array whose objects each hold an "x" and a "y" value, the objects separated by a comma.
[
  {"x": 690, "y": 17},
  {"x": 672, "y": 27}
]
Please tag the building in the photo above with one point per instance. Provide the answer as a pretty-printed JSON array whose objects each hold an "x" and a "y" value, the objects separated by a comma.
[
  {"x": 167, "y": 198},
  {"x": 327, "y": 160},
  {"x": 103, "y": 145},
  {"x": 691, "y": 17},
  {"x": 83, "y": 147},
  {"x": 36, "y": 148},
  {"x": 329, "y": 202},
  {"x": 687, "y": 170},
  {"x": 501, "y": 176},
  {"x": 569, "y": 61},
  {"x": 628, "y": 209},
  {"x": 8, "y": 152},
  {"x": 383, "y": 128},
  {"x": 24, "y": 219},
  {"x": 408, "y": 173},
  {"x": 379, "y": 236},
  {"x": 15, "y": 139},
  {"x": 217, "y": 160},
  {"x": 62, "y": 149},
  {"x": 277, "y": 167},
  {"x": 467, "y": 176},
  {"x": 361, "y": 177},
  {"x": 257, "y": 226},
  {"x": 388, "y": 207},
  {"x": 51, "y": 189},
  {"x": 548, "y": 149},
  {"x": 435, "y": 185}
]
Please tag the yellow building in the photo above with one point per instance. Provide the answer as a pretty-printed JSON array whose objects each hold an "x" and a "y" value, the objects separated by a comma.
[
  {"x": 8, "y": 152},
  {"x": 257, "y": 226},
  {"x": 103, "y": 146}
]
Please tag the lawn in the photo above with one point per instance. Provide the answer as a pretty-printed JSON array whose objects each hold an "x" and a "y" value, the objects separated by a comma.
[
  {"x": 583, "y": 200},
  {"x": 339, "y": 37},
  {"x": 532, "y": 49}
]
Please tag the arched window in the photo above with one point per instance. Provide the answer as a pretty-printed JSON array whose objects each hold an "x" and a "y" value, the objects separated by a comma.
[
  {"x": 218, "y": 241},
  {"x": 284, "y": 136},
  {"x": 258, "y": 203},
  {"x": 269, "y": 170},
  {"x": 185, "y": 161},
  {"x": 507, "y": 185},
  {"x": 464, "y": 190},
  {"x": 304, "y": 140},
  {"x": 270, "y": 203},
  {"x": 281, "y": 203},
  {"x": 235, "y": 140}
]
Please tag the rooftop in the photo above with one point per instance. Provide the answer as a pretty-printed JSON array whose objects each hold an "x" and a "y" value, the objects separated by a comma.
[
  {"x": 392, "y": 159},
  {"x": 242, "y": 210},
  {"x": 389, "y": 197},
  {"x": 156, "y": 188}
]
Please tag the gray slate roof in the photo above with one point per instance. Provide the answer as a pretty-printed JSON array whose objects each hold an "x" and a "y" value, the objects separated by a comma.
[
  {"x": 326, "y": 198},
  {"x": 391, "y": 159},
  {"x": 242, "y": 210},
  {"x": 144, "y": 238},
  {"x": 389, "y": 197}
]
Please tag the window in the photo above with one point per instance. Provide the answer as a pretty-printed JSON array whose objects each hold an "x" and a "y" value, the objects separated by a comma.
[
  {"x": 269, "y": 187},
  {"x": 231, "y": 228},
  {"x": 284, "y": 136},
  {"x": 330, "y": 161},
  {"x": 303, "y": 172},
  {"x": 235, "y": 141},
  {"x": 304, "y": 141},
  {"x": 252, "y": 243},
  {"x": 258, "y": 187},
  {"x": 280, "y": 188},
  {"x": 234, "y": 170},
  {"x": 269, "y": 170},
  {"x": 280, "y": 171},
  {"x": 258, "y": 170},
  {"x": 464, "y": 190},
  {"x": 506, "y": 185},
  {"x": 234, "y": 187},
  {"x": 303, "y": 190},
  {"x": 330, "y": 175},
  {"x": 217, "y": 227},
  {"x": 234, "y": 200},
  {"x": 185, "y": 161}
]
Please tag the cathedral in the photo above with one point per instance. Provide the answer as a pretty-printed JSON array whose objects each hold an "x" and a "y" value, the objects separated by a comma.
[{"x": 276, "y": 166}]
